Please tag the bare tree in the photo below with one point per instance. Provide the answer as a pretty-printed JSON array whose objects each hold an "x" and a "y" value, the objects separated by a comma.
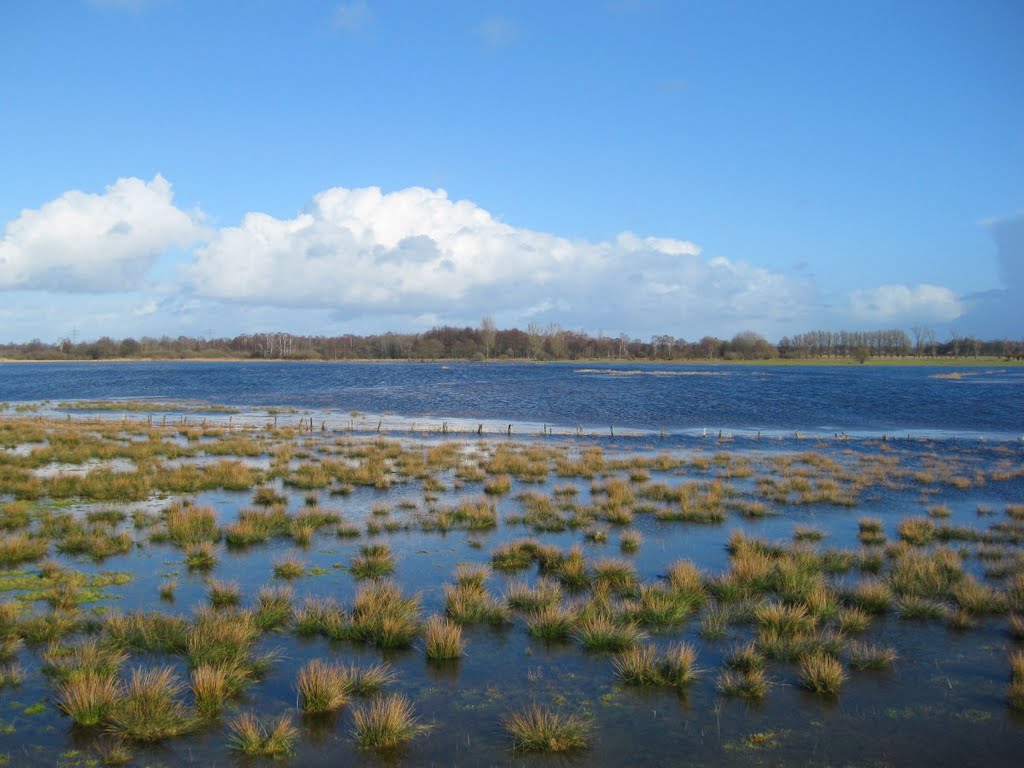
[{"x": 488, "y": 331}]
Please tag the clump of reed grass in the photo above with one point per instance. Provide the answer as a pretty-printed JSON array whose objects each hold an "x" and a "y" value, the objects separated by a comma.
[
  {"x": 146, "y": 631},
  {"x": 601, "y": 632},
  {"x": 19, "y": 548},
  {"x": 551, "y": 622},
  {"x": 224, "y": 593},
  {"x": 498, "y": 485},
  {"x": 323, "y": 687},
  {"x": 87, "y": 697},
  {"x": 852, "y": 620},
  {"x": 252, "y": 736},
  {"x": 571, "y": 570},
  {"x": 383, "y": 616},
  {"x": 167, "y": 589},
  {"x": 917, "y": 530},
  {"x": 976, "y": 598},
  {"x": 629, "y": 541},
  {"x": 472, "y": 604},
  {"x": 148, "y": 709},
  {"x": 807, "y": 533},
  {"x": 274, "y": 607},
  {"x": 386, "y": 723},
  {"x": 90, "y": 656},
  {"x": 226, "y": 640},
  {"x": 367, "y": 680},
  {"x": 786, "y": 620},
  {"x": 442, "y": 639},
  {"x": 912, "y": 607},
  {"x": 870, "y": 531},
  {"x": 536, "y": 729},
  {"x": 373, "y": 562},
  {"x": 1016, "y": 624},
  {"x": 201, "y": 556},
  {"x": 871, "y": 595},
  {"x": 318, "y": 615},
  {"x": 11, "y": 675},
  {"x": 871, "y": 656},
  {"x": 467, "y": 575},
  {"x": 522, "y": 597},
  {"x": 744, "y": 658},
  {"x": 347, "y": 530},
  {"x": 188, "y": 524},
  {"x": 213, "y": 685},
  {"x": 749, "y": 684},
  {"x": 289, "y": 567},
  {"x": 821, "y": 673},
  {"x": 644, "y": 665},
  {"x": 617, "y": 575},
  {"x": 1015, "y": 696}
]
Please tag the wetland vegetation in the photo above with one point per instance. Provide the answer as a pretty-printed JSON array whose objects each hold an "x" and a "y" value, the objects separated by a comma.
[{"x": 188, "y": 591}]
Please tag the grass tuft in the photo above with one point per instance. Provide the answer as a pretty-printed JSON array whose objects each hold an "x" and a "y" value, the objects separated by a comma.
[{"x": 536, "y": 729}]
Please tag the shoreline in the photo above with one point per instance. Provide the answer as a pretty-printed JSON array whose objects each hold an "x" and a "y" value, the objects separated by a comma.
[{"x": 882, "y": 362}]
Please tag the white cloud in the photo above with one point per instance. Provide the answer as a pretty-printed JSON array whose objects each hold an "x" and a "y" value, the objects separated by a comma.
[
  {"x": 415, "y": 251},
  {"x": 892, "y": 303},
  {"x": 353, "y": 16},
  {"x": 95, "y": 242}
]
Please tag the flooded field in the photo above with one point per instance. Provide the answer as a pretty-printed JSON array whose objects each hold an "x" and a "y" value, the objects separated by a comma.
[{"x": 216, "y": 591}]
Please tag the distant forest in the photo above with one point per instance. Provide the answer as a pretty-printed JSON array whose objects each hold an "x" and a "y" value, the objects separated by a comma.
[{"x": 536, "y": 343}]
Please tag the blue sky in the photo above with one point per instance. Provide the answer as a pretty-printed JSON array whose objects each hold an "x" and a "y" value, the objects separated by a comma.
[{"x": 634, "y": 166}]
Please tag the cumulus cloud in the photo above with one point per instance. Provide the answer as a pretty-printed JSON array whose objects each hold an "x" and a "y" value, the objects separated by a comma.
[
  {"x": 95, "y": 242},
  {"x": 901, "y": 303},
  {"x": 415, "y": 252}
]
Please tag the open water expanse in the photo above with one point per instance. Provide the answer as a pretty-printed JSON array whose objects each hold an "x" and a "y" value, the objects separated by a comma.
[
  {"x": 761, "y": 478},
  {"x": 677, "y": 398}
]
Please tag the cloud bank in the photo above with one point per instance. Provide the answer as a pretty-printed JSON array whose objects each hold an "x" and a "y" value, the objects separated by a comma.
[
  {"x": 415, "y": 251},
  {"x": 90, "y": 242},
  {"x": 412, "y": 258}
]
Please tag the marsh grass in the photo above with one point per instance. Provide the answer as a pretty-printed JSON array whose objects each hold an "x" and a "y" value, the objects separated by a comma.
[
  {"x": 254, "y": 737},
  {"x": 522, "y": 597},
  {"x": 373, "y": 562},
  {"x": 852, "y": 620},
  {"x": 383, "y": 616},
  {"x": 746, "y": 684},
  {"x": 289, "y": 567},
  {"x": 274, "y": 607},
  {"x": 630, "y": 540},
  {"x": 912, "y": 607},
  {"x": 744, "y": 658},
  {"x": 470, "y": 603},
  {"x": 552, "y": 622},
  {"x": 201, "y": 555},
  {"x": 90, "y": 656},
  {"x": 148, "y": 708},
  {"x": 146, "y": 631},
  {"x": 821, "y": 673},
  {"x": 601, "y": 632},
  {"x": 21, "y": 548},
  {"x": 213, "y": 686},
  {"x": 224, "y": 594},
  {"x": 386, "y": 723},
  {"x": 442, "y": 639},
  {"x": 322, "y": 687},
  {"x": 536, "y": 729},
  {"x": 871, "y": 656},
  {"x": 87, "y": 697}
]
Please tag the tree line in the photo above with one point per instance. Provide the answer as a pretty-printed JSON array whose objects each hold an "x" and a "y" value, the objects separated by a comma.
[{"x": 550, "y": 342}]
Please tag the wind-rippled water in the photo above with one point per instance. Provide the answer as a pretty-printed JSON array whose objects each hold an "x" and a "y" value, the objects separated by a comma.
[{"x": 983, "y": 401}]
